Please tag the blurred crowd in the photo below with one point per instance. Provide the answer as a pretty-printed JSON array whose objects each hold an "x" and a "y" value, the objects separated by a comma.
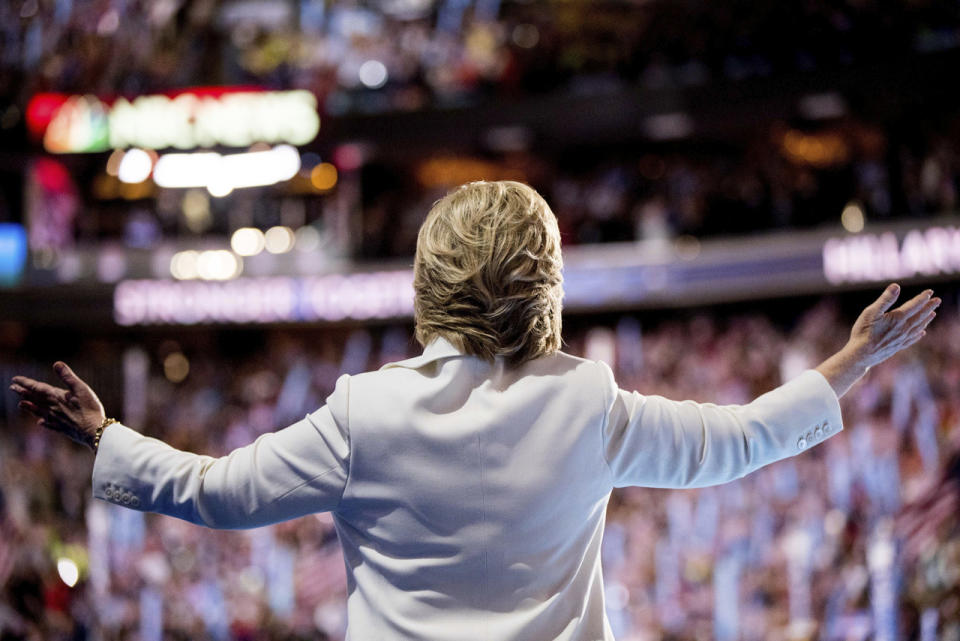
[
  {"x": 774, "y": 182},
  {"x": 858, "y": 538},
  {"x": 842, "y": 154},
  {"x": 849, "y": 173},
  {"x": 448, "y": 51}
]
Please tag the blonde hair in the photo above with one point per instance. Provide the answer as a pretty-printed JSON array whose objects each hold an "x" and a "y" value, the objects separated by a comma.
[{"x": 487, "y": 274}]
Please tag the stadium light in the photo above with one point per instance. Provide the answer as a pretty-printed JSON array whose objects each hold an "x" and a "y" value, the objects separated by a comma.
[
  {"x": 185, "y": 170},
  {"x": 222, "y": 174},
  {"x": 247, "y": 241},
  {"x": 135, "y": 166}
]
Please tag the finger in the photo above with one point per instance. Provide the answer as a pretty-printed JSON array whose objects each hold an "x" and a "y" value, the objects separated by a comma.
[
  {"x": 30, "y": 407},
  {"x": 921, "y": 323},
  {"x": 31, "y": 396},
  {"x": 886, "y": 300},
  {"x": 915, "y": 303},
  {"x": 913, "y": 339},
  {"x": 40, "y": 389},
  {"x": 72, "y": 381},
  {"x": 926, "y": 308},
  {"x": 918, "y": 317},
  {"x": 57, "y": 424}
]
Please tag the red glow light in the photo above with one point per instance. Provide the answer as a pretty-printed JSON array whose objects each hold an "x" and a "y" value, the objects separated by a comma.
[
  {"x": 44, "y": 106},
  {"x": 40, "y": 111},
  {"x": 348, "y": 157}
]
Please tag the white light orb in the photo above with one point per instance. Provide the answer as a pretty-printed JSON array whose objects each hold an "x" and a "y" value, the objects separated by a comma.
[
  {"x": 218, "y": 264},
  {"x": 68, "y": 571},
  {"x": 279, "y": 240},
  {"x": 247, "y": 241},
  {"x": 135, "y": 166},
  {"x": 220, "y": 185},
  {"x": 373, "y": 74},
  {"x": 183, "y": 265},
  {"x": 285, "y": 162}
]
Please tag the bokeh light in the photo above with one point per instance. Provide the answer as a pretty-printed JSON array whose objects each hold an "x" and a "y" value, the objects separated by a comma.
[
  {"x": 176, "y": 367},
  {"x": 307, "y": 239},
  {"x": 220, "y": 185},
  {"x": 114, "y": 160},
  {"x": 279, "y": 240},
  {"x": 526, "y": 36},
  {"x": 218, "y": 264},
  {"x": 852, "y": 218},
  {"x": 183, "y": 265},
  {"x": 373, "y": 74},
  {"x": 135, "y": 166},
  {"x": 68, "y": 570},
  {"x": 324, "y": 176},
  {"x": 247, "y": 241},
  {"x": 215, "y": 264},
  {"x": 196, "y": 210}
]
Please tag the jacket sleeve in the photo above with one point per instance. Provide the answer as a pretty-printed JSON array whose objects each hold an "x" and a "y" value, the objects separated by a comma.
[
  {"x": 655, "y": 442},
  {"x": 282, "y": 475}
]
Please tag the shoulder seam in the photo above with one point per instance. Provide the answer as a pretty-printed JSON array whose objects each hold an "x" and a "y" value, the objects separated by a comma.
[
  {"x": 603, "y": 422},
  {"x": 346, "y": 481}
]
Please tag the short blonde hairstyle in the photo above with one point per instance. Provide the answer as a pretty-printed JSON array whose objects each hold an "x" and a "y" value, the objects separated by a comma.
[{"x": 487, "y": 274}]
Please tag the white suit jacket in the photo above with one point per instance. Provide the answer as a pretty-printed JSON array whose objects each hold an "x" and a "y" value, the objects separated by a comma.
[{"x": 469, "y": 497}]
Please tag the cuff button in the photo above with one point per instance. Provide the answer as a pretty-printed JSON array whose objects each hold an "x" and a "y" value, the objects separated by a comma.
[
  {"x": 135, "y": 502},
  {"x": 801, "y": 443}
]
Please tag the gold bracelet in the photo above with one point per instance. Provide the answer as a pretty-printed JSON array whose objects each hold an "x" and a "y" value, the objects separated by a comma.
[{"x": 99, "y": 432}]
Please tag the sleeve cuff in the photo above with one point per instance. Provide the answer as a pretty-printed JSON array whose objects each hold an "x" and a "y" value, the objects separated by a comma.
[
  {"x": 109, "y": 477},
  {"x": 826, "y": 406}
]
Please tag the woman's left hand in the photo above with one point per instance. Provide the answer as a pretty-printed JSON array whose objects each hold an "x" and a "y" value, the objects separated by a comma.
[{"x": 75, "y": 411}]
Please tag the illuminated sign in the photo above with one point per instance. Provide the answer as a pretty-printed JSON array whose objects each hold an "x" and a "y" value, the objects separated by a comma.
[
  {"x": 878, "y": 257},
  {"x": 604, "y": 277},
  {"x": 184, "y": 120},
  {"x": 359, "y": 296}
]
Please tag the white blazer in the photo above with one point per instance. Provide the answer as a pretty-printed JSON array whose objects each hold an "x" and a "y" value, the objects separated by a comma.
[{"x": 469, "y": 497}]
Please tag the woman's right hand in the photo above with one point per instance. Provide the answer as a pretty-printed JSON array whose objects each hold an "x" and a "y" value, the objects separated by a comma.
[{"x": 878, "y": 334}]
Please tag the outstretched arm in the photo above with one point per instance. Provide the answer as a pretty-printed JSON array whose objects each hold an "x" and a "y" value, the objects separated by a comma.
[
  {"x": 652, "y": 441},
  {"x": 877, "y": 335},
  {"x": 657, "y": 442},
  {"x": 298, "y": 470}
]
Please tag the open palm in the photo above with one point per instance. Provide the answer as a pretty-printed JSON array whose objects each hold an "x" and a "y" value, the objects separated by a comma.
[{"x": 879, "y": 332}]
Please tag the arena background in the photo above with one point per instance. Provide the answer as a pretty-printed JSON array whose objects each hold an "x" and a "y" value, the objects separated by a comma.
[{"x": 209, "y": 209}]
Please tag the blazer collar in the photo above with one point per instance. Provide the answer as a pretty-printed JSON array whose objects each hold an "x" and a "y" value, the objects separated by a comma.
[{"x": 436, "y": 349}]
